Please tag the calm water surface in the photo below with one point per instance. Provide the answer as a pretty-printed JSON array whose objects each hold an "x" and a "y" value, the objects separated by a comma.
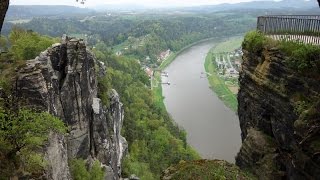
[{"x": 212, "y": 128}]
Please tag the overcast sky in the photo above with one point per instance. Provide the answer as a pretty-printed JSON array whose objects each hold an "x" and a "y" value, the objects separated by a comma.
[{"x": 138, "y": 2}]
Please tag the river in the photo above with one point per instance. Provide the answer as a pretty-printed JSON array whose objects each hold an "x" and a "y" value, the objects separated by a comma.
[{"x": 212, "y": 128}]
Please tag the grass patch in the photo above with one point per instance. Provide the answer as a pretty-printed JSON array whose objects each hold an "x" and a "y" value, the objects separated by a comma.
[
  {"x": 300, "y": 57},
  {"x": 80, "y": 171},
  {"x": 157, "y": 90},
  {"x": 254, "y": 41},
  {"x": 229, "y": 45},
  {"x": 206, "y": 169},
  {"x": 20, "y": 21},
  {"x": 217, "y": 84}
]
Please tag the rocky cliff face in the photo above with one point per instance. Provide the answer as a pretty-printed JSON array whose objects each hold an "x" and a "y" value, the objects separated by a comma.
[
  {"x": 279, "y": 113},
  {"x": 63, "y": 81}
]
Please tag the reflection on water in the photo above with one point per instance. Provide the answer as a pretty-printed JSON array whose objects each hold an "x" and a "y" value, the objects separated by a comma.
[{"x": 212, "y": 128}]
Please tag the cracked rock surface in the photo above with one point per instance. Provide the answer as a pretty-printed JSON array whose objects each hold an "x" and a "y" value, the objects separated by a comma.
[
  {"x": 279, "y": 114},
  {"x": 63, "y": 81}
]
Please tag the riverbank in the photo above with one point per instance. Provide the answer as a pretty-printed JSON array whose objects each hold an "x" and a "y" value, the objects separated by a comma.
[
  {"x": 196, "y": 109},
  {"x": 216, "y": 83},
  {"x": 219, "y": 85},
  {"x": 157, "y": 88},
  {"x": 173, "y": 55}
]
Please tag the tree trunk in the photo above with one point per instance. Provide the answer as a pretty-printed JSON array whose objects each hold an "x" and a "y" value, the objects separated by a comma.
[{"x": 4, "y": 5}]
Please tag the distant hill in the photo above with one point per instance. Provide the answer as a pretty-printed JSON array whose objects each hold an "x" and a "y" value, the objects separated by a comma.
[
  {"x": 257, "y": 4},
  {"x": 292, "y": 4},
  {"x": 29, "y": 11},
  {"x": 119, "y": 7}
]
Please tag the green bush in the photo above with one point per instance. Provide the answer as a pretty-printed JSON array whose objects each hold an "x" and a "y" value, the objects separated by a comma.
[
  {"x": 302, "y": 57},
  {"x": 96, "y": 171},
  {"x": 254, "y": 41},
  {"x": 103, "y": 86},
  {"x": 22, "y": 135},
  {"x": 27, "y": 45},
  {"x": 132, "y": 166},
  {"x": 79, "y": 170}
]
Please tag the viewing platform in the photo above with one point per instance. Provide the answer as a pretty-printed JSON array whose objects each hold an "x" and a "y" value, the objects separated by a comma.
[{"x": 302, "y": 28}]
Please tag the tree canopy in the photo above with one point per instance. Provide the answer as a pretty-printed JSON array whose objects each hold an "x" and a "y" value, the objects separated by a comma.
[
  {"x": 22, "y": 135},
  {"x": 155, "y": 142}
]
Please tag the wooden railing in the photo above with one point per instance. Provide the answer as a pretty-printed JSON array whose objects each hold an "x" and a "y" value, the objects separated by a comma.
[{"x": 304, "y": 28}]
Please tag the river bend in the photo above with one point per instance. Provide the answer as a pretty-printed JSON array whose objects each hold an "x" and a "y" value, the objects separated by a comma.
[{"x": 212, "y": 128}]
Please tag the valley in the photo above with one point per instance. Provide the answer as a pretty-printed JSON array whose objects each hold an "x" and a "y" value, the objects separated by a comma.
[{"x": 148, "y": 93}]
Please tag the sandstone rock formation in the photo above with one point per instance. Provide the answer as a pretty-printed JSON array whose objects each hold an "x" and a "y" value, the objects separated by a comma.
[
  {"x": 279, "y": 113},
  {"x": 63, "y": 81}
]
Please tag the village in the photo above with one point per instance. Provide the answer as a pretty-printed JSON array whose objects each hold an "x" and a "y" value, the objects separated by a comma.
[
  {"x": 162, "y": 56},
  {"x": 228, "y": 65}
]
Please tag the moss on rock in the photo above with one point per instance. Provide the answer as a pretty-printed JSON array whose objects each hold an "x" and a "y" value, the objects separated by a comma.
[{"x": 205, "y": 169}]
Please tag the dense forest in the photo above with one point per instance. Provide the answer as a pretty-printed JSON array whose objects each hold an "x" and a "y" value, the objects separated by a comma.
[
  {"x": 139, "y": 35},
  {"x": 154, "y": 140},
  {"x": 146, "y": 34}
]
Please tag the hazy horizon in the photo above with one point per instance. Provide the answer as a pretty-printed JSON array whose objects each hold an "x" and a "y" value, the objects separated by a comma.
[{"x": 147, "y": 3}]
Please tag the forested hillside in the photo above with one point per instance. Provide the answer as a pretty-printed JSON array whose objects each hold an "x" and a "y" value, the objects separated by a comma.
[
  {"x": 141, "y": 35},
  {"x": 147, "y": 34},
  {"x": 16, "y": 12},
  {"x": 155, "y": 142}
]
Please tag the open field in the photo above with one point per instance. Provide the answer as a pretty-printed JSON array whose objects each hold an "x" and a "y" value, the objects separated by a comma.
[
  {"x": 218, "y": 85},
  {"x": 228, "y": 45},
  {"x": 157, "y": 90},
  {"x": 19, "y": 21}
]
